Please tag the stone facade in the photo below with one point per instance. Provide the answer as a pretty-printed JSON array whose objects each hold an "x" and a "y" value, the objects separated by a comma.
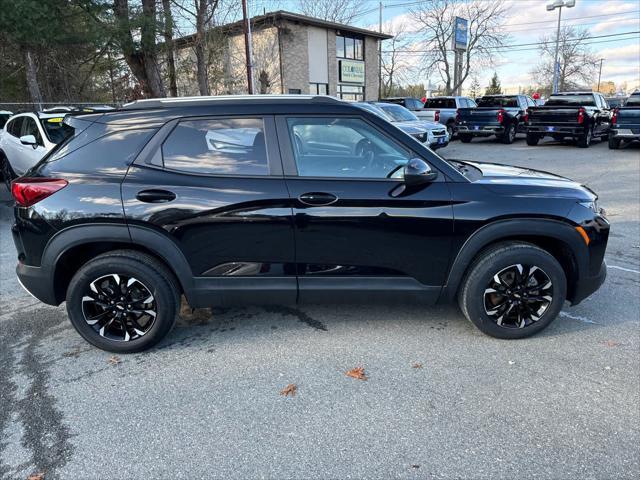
[
  {"x": 371, "y": 68},
  {"x": 295, "y": 57}
]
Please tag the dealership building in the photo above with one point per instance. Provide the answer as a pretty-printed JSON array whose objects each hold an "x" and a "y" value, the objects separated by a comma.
[{"x": 292, "y": 54}]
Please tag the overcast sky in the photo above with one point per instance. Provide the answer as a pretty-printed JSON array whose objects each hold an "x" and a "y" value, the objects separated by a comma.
[{"x": 526, "y": 22}]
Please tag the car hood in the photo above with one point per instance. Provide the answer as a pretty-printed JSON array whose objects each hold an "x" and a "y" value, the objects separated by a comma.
[
  {"x": 420, "y": 126},
  {"x": 510, "y": 180},
  {"x": 410, "y": 127}
]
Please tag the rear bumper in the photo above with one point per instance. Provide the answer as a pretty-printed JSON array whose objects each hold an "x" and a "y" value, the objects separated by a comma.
[
  {"x": 37, "y": 282},
  {"x": 587, "y": 285},
  {"x": 481, "y": 130},
  {"x": 625, "y": 133},
  {"x": 555, "y": 130}
]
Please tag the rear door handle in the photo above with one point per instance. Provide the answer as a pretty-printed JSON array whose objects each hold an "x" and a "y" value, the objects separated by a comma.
[
  {"x": 156, "y": 196},
  {"x": 318, "y": 199}
]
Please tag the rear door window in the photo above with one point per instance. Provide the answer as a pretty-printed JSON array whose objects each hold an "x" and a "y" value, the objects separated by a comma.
[{"x": 232, "y": 146}]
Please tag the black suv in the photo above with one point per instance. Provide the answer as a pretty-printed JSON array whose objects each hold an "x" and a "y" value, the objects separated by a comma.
[{"x": 262, "y": 200}]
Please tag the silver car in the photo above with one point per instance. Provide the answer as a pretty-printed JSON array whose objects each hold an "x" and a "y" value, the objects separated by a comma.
[{"x": 436, "y": 133}]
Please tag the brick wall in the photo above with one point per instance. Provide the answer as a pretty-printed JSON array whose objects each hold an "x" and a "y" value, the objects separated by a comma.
[
  {"x": 371, "y": 72},
  {"x": 295, "y": 61},
  {"x": 333, "y": 62}
]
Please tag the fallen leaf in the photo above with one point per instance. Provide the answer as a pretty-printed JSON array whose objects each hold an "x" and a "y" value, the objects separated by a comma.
[
  {"x": 114, "y": 360},
  {"x": 357, "y": 373},
  {"x": 36, "y": 476},
  {"x": 415, "y": 465},
  {"x": 611, "y": 343},
  {"x": 416, "y": 365},
  {"x": 290, "y": 389}
]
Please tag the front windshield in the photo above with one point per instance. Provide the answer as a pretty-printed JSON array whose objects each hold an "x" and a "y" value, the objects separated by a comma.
[
  {"x": 373, "y": 109},
  {"x": 397, "y": 112},
  {"x": 634, "y": 101},
  {"x": 56, "y": 131}
]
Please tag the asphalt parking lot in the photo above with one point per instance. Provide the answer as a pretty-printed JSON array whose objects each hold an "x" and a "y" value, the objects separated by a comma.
[{"x": 442, "y": 400}]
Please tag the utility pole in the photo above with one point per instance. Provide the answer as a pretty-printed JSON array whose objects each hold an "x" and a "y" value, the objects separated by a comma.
[
  {"x": 599, "y": 75},
  {"x": 247, "y": 46},
  {"x": 550, "y": 7},
  {"x": 380, "y": 54}
]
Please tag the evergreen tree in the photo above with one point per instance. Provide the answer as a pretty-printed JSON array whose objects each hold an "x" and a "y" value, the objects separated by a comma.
[{"x": 494, "y": 87}]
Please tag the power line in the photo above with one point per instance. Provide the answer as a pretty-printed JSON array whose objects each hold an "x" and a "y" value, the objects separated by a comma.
[{"x": 537, "y": 43}]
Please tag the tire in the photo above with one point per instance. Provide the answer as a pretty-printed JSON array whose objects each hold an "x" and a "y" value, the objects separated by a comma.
[
  {"x": 465, "y": 138},
  {"x": 509, "y": 135},
  {"x": 614, "y": 143},
  {"x": 502, "y": 259},
  {"x": 585, "y": 140},
  {"x": 147, "y": 277},
  {"x": 532, "y": 139},
  {"x": 450, "y": 130}
]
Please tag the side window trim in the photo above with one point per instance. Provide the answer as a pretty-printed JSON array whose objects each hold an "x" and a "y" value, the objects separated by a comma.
[
  {"x": 288, "y": 156},
  {"x": 151, "y": 155}
]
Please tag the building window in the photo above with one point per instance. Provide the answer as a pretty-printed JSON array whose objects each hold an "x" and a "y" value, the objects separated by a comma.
[
  {"x": 351, "y": 92},
  {"x": 349, "y": 47},
  {"x": 295, "y": 91},
  {"x": 319, "y": 89}
]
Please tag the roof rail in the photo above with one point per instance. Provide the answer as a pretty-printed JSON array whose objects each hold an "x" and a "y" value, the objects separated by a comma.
[{"x": 208, "y": 100}]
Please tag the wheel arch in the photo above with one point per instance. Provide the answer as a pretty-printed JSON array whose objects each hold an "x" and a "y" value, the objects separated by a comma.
[
  {"x": 71, "y": 248},
  {"x": 558, "y": 238}
]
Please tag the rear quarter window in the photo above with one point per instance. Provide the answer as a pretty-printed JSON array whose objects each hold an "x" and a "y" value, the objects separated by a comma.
[
  {"x": 440, "y": 103},
  {"x": 109, "y": 154}
]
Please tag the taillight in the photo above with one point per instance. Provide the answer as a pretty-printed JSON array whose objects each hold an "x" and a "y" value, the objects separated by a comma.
[
  {"x": 436, "y": 116},
  {"x": 500, "y": 116},
  {"x": 581, "y": 114},
  {"x": 31, "y": 190},
  {"x": 457, "y": 116},
  {"x": 526, "y": 116},
  {"x": 614, "y": 117}
]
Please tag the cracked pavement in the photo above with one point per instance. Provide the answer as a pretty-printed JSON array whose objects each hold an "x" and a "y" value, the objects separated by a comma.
[{"x": 205, "y": 402}]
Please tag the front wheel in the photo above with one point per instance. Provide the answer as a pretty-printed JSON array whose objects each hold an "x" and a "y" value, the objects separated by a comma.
[
  {"x": 464, "y": 138},
  {"x": 532, "y": 139},
  {"x": 123, "y": 301},
  {"x": 513, "y": 290}
]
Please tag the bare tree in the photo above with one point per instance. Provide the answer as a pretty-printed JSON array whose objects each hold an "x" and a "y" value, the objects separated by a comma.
[
  {"x": 577, "y": 63},
  {"x": 202, "y": 12},
  {"x": 169, "y": 47},
  {"x": 339, "y": 11},
  {"x": 435, "y": 21},
  {"x": 142, "y": 59},
  {"x": 394, "y": 64}
]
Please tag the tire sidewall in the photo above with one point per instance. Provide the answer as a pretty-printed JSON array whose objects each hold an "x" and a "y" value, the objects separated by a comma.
[
  {"x": 488, "y": 267},
  {"x": 165, "y": 296}
]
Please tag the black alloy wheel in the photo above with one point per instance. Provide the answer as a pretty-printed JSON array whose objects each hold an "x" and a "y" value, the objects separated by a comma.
[
  {"x": 518, "y": 295},
  {"x": 119, "y": 307}
]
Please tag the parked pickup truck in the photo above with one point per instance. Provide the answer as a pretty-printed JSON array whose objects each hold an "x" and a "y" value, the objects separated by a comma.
[
  {"x": 625, "y": 123},
  {"x": 578, "y": 115},
  {"x": 499, "y": 115},
  {"x": 444, "y": 110}
]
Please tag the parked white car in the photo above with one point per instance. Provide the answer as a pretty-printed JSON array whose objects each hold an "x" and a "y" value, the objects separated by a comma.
[{"x": 27, "y": 137}]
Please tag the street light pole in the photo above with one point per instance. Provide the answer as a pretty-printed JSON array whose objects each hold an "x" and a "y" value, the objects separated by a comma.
[
  {"x": 246, "y": 24},
  {"x": 550, "y": 7}
]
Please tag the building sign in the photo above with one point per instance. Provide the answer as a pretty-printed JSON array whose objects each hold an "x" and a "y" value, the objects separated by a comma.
[
  {"x": 351, "y": 71},
  {"x": 460, "y": 33}
]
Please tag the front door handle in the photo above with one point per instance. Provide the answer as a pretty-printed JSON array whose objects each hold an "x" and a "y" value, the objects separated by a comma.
[
  {"x": 156, "y": 196},
  {"x": 318, "y": 199}
]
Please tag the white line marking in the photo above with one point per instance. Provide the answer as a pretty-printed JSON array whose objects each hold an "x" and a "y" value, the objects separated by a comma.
[
  {"x": 577, "y": 317},
  {"x": 623, "y": 269}
]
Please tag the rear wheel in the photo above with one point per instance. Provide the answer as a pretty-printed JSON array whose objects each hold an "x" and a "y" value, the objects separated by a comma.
[
  {"x": 464, "y": 138},
  {"x": 614, "y": 143},
  {"x": 450, "y": 130},
  {"x": 124, "y": 301},
  {"x": 509, "y": 135},
  {"x": 532, "y": 139},
  {"x": 513, "y": 290},
  {"x": 585, "y": 140}
]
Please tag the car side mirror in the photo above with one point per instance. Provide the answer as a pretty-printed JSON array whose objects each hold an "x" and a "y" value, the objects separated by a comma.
[
  {"x": 29, "y": 140},
  {"x": 418, "y": 172}
]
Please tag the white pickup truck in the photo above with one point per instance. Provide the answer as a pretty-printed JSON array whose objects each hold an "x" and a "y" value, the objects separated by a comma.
[{"x": 444, "y": 110}]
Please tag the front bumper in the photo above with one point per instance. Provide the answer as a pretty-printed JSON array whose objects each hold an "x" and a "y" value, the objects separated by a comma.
[{"x": 587, "y": 285}]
